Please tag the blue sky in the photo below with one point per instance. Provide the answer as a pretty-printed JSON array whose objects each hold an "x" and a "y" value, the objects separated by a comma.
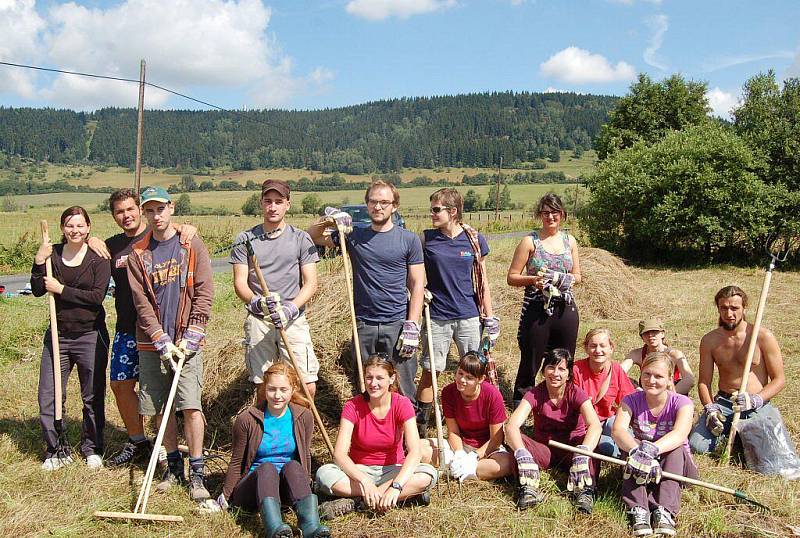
[{"x": 330, "y": 53}]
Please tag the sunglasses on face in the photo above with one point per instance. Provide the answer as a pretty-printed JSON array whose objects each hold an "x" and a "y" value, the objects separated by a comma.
[{"x": 439, "y": 208}]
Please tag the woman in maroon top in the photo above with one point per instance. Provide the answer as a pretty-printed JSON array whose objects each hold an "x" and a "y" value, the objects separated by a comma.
[{"x": 562, "y": 412}]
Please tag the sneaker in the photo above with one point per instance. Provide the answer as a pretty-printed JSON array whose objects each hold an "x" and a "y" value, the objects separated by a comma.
[
  {"x": 663, "y": 522},
  {"x": 94, "y": 462},
  {"x": 131, "y": 453},
  {"x": 56, "y": 461},
  {"x": 197, "y": 488},
  {"x": 337, "y": 507},
  {"x": 584, "y": 500},
  {"x": 528, "y": 497},
  {"x": 168, "y": 480},
  {"x": 640, "y": 521}
]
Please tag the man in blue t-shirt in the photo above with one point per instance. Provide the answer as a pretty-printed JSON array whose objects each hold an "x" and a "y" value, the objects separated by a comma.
[{"x": 387, "y": 264}]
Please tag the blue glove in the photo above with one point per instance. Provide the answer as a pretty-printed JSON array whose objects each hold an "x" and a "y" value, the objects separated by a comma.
[
  {"x": 744, "y": 401},
  {"x": 257, "y": 305},
  {"x": 408, "y": 343},
  {"x": 190, "y": 343},
  {"x": 280, "y": 313}
]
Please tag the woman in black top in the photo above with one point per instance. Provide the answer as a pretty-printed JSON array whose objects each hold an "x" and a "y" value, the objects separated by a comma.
[{"x": 79, "y": 284}]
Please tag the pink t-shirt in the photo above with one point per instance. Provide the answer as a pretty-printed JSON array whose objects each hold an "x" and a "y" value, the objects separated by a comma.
[
  {"x": 561, "y": 422},
  {"x": 619, "y": 387},
  {"x": 377, "y": 441},
  {"x": 649, "y": 427},
  {"x": 473, "y": 418}
]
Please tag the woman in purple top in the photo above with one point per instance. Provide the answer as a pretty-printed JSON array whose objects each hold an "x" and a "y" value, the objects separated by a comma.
[
  {"x": 660, "y": 420},
  {"x": 563, "y": 412}
]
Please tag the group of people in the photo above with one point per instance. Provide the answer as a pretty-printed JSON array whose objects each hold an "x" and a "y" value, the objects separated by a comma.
[{"x": 382, "y": 456}]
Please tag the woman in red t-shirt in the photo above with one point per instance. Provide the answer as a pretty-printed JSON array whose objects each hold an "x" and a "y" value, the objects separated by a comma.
[
  {"x": 370, "y": 464},
  {"x": 475, "y": 413},
  {"x": 562, "y": 412},
  {"x": 604, "y": 381}
]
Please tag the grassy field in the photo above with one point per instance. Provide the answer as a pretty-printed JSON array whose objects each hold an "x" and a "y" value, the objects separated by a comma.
[{"x": 33, "y": 503}]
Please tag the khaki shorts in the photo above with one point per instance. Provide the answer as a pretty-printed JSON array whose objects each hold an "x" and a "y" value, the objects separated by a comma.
[
  {"x": 262, "y": 342},
  {"x": 330, "y": 473},
  {"x": 466, "y": 333},
  {"x": 155, "y": 381}
]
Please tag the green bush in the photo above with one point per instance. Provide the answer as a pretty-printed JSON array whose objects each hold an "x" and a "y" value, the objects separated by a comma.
[{"x": 252, "y": 206}]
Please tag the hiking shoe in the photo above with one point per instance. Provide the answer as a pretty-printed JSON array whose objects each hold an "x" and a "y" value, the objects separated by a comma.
[
  {"x": 663, "y": 522},
  {"x": 528, "y": 497},
  {"x": 197, "y": 487},
  {"x": 56, "y": 461},
  {"x": 94, "y": 462},
  {"x": 168, "y": 480},
  {"x": 337, "y": 507},
  {"x": 584, "y": 500},
  {"x": 640, "y": 521},
  {"x": 131, "y": 453}
]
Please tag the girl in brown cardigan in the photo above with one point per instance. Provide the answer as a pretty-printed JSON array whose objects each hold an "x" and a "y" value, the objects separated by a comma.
[{"x": 271, "y": 457}]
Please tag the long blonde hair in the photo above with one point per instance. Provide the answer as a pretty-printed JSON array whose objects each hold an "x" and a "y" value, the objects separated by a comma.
[{"x": 281, "y": 368}]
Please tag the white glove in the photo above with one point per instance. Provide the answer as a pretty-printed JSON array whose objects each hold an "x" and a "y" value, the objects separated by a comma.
[{"x": 467, "y": 466}]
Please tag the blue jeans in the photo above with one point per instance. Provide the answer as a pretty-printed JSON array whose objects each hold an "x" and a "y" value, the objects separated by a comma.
[
  {"x": 701, "y": 441},
  {"x": 606, "y": 446}
]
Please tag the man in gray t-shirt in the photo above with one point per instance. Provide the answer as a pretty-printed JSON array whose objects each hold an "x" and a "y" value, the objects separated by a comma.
[{"x": 287, "y": 258}]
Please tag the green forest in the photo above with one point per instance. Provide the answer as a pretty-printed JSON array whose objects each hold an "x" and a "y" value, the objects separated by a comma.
[{"x": 473, "y": 130}]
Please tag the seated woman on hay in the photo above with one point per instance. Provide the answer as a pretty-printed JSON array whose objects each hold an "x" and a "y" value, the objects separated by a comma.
[
  {"x": 271, "y": 457},
  {"x": 654, "y": 339}
]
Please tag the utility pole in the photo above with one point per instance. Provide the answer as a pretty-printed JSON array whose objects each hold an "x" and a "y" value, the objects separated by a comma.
[
  {"x": 140, "y": 131},
  {"x": 497, "y": 194}
]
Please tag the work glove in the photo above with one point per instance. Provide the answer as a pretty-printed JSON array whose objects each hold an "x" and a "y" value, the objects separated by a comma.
[
  {"x": 190, "y": 343},
  {"x": 492, "y": 326},
  {"x": 257, "y": 305},
  {"x": 222, "y": 501},
  {"x": 527, "y": 469},
  {"x": 464, "y": 466},
  {"x": 643, "y": 464},
  {"x": 281, "y": 313},
  {"x": 579, "y": 475},
  {"x": 168, "y": 351},
  {"x": 408, "y": 343},
  {"x": 715, "y": 420},
  {"x": 744, "y": 401},
  {"x": 343, "y": 220},
  {"x": 449, "y": 455},
  {"x": 561, "y": 281}
]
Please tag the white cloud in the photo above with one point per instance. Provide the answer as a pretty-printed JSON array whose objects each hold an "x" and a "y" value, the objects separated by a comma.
[
  {"x": 20, "y": 26},
  {"x": 551, "y": 89},
  {"x": 794, "y": 69},
  {"x": 377, "y": 10},
  {"x": 659, "y": 24},
  {"x": 732, "y": 61},
  {"x": 321, "y": 75},
  {"x": 578, "y": 66},
  {"x": 721, "y": 102}
]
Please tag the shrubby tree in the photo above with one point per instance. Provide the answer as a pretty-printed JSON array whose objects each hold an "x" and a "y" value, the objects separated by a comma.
[
  {"x": 311, "y": 204},
  {"x": 252, "y": 206},
  {"x": 183, "y": 206},
  {"x": 505, "y": 198},
  {"x": 472, "y": 201}
]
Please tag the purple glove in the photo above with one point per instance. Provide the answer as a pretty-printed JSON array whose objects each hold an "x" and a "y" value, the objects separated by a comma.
[
  {"x": 744, "y": 401},
  {"x": 167, "y": 350},
  {"x": 281, "y": 313},
  {"x": 643, "y": 464},
  {"x": 256, "y": 305},
  {"x": 715, "y": 420},
  {"x": 162, "y": 343},
  {"x": 492, "y": 326},
  {"x": 579, "y": 476},
  {"x": 408, "y": 343},
  {"x": 561, "y": 281},
  {"x": 190, "y": 344},
  {"x": 527, "y": 470},
  {"x": 343, "y": 220}
]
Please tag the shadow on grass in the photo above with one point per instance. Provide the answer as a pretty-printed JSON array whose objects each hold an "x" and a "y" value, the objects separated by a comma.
[{"x": 26, "y": 435}]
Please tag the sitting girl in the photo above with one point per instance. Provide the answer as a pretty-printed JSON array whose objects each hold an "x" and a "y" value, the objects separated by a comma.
[
  {"x": 475, "y": 413},
  {"x": 562, "y": 412},
  {"x": 654, "y": 339},
  {"x": 660, "y": 420},
  {"x": 604, "y": 381},
  {"x": 369, "y": 461},
  {"x": 271, "y": 457}
]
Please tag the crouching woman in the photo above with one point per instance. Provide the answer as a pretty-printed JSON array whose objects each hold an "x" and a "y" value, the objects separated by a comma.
[
  {"x": 562, "y": 412},
  {"x": 271, "y": 457},
  {"x": 371, "y": 468},
  {"x": 660, "y": 420}
]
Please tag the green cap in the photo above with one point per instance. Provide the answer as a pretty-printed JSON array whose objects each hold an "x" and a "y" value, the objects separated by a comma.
[
  {"x": 155, "y": 194},
  {"x": 652, "y": 324}
]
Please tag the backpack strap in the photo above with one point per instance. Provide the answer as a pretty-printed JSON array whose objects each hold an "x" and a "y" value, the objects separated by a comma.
[{"x": 478, "y": 277}]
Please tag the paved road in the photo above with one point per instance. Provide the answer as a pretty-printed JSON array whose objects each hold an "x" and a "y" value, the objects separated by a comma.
[{"x": 14, "y": 283}]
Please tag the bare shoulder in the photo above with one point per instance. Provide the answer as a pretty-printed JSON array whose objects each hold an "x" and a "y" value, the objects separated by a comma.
[
  {"x": 712, "y": 338},
  {"x": 634, "y": 355}
]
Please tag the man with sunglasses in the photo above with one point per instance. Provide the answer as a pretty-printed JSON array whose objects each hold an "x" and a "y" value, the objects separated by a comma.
[
  {"x": 387, "y": 261},
  {"x": 460, "y": 308}
]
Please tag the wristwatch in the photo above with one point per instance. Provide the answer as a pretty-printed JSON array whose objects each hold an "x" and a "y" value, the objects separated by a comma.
[{"x": 397, "y": 485}]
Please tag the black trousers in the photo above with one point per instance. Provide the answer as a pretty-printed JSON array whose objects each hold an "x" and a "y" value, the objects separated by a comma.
[
  {"x": 89, "y": 352},
  {"x": 288, "y": 486}
]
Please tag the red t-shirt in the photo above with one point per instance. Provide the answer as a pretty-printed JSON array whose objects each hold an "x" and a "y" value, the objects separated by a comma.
[
  {"x": 475, "y": 417},
  {"x": 562, "y": 421},
  {"x": 377, "y": 441},
  {"x": 591, "y": 383}
]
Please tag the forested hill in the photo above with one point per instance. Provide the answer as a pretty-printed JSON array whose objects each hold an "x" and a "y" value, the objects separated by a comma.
[{"x": 461, "y": 130}]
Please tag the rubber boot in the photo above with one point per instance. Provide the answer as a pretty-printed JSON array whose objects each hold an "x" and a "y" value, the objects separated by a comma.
[
  {"x": 308, "y": 518},
  {"x": 274, "y": 527},
  {"x": 424, "y": 410}
]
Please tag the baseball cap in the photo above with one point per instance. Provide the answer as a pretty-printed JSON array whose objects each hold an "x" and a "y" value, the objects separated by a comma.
[
  {"x": 275, "y": 185},
  {"x": 155, "y": 194},
  {"x": 652, "y": 324}
]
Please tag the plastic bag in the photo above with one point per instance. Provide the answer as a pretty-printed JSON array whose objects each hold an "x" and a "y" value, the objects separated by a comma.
[{"x": 768, "y": 449}]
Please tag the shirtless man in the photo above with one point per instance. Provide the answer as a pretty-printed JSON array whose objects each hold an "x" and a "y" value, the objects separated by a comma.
[{"x": 726, "y": 348}]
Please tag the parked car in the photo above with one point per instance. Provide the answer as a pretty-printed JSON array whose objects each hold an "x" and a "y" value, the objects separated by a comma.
[{"x": 361, "y": 219}]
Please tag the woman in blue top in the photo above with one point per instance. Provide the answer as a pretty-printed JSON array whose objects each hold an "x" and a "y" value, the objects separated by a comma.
[{"x": 546, "y": 264}]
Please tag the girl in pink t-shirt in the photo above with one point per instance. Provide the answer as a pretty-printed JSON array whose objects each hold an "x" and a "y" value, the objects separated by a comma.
[
  {"x": 475, "y": 413},
  {"x": 660, "y": 421},
  {"x": 369, "y": 460},
  {"x": 562, "y": 412}
]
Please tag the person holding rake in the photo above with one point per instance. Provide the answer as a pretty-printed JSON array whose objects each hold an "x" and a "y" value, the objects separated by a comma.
[
  {"x": 563, "y": 412},
  {"x": 370, "y": 467},
  {"x": 78, "y": 283},
  {"x": 271, "y": 457},
  {"x": 652, "y": 427},
  {"x": 475, "y": 413}
]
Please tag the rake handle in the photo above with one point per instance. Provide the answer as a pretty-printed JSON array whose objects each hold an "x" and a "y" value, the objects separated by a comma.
[
  {"x": 435, "y": 386},
  {"x": 51, "y": 303},
  {"x": 348, "y": 274}
]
